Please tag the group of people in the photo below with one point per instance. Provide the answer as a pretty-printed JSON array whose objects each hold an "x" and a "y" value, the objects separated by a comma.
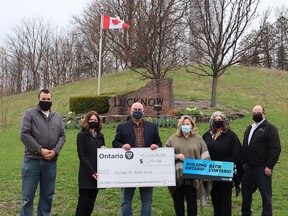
[{"x": 43, "y": 134}]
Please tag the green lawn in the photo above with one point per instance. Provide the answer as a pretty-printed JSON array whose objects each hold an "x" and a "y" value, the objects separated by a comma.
[{"x": 242, "y": 87}]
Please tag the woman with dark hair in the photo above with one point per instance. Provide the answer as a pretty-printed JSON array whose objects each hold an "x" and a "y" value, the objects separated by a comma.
[
  {"x": 188, "y": 144},
  {"x": 88, "y": 140},
  {"x": 223, "y": 145}
]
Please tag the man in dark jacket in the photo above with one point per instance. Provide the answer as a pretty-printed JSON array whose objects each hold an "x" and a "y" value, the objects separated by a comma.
[
  {"x": 43, "y": 134},
  {"x": 137, "y": 133},
  {"x": 261, "y": 150}
]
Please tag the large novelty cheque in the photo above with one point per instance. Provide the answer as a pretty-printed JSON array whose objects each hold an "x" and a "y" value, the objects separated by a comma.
[
  {"x": 139, "y": 167},
  {"x": 208, "y": 169}
]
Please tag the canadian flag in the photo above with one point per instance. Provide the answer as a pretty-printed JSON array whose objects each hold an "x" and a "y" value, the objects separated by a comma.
[{"x": 114, "y": 23}]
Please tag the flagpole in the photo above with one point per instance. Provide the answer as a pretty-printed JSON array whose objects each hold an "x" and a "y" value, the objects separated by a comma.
[{"x": 100, "y": 53}]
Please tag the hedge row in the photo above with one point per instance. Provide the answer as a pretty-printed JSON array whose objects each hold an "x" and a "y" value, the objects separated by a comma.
[{"x": 84, "y": 104}]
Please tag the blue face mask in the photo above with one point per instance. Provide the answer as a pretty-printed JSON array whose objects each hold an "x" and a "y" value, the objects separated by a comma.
[
  {"x": 137, "y": 114},
  {"x": 186, "y": 128}
]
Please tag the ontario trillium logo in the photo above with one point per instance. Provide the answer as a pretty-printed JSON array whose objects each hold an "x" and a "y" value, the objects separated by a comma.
[{"x": 129, "y": 155}]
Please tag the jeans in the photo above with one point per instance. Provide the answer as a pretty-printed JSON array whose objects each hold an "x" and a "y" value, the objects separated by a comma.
[
  {"x": 33, "y": 172},
  {"x": 254, "y": 177},
  {"x": 146, "y": 199}
]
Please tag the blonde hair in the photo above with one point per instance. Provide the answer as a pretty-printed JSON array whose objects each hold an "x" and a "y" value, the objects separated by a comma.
[{"x": 181, "y": 120}]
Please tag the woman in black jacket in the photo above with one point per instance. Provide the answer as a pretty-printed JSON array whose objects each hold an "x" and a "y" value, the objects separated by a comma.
[
  {"x": 88, "y": 140},
  {"x": 223, "y": 145}
]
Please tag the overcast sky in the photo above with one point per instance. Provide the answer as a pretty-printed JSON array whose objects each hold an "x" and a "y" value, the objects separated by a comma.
[{"x": 59, "y": 12}]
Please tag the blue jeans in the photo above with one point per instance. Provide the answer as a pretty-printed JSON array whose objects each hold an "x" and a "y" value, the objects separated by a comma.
[
  {"x": 146, "y": 199},
  {"x": 254, "y": 177},
  {"x": 33, "y": 172}
]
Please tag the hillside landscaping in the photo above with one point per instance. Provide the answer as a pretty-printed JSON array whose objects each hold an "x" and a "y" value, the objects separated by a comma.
[{"x": 238, "y": 91}]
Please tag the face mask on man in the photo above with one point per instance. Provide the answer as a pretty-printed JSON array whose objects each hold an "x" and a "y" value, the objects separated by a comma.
[
  {"x": 218, "y": 124},
  {"x": 45, "y": 105},
  {"x": 257, "y": 118},
  {"x": 186, "y": 128},
  {"x": 137, "y": 114}
]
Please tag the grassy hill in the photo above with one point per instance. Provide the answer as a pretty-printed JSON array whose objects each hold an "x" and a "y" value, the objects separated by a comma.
[{"x": 240, "y": 86}]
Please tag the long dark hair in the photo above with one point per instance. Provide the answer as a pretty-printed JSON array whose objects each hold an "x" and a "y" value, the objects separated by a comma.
[{"x": 85, "y": 121}]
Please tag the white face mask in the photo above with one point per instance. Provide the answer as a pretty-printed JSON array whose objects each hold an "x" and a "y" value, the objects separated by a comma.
[{"x": 186, "y": 128}]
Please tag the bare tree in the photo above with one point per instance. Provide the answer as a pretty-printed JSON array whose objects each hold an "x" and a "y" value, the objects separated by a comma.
[
  {"x": 86, "y": 30},
  {"x": 60, "y": 63},
  {"x": 4, "y": 87},
  {"x": 116, "y": 43},
  {"x": 119, "y": 43},
  {"x": 270, "y": 49},
  {"x": 252, "y": 55},
  {"x": 153, "y": 44},
  {"x": 14, "y": 64},
  {"x": 41, "y": 56},
  {"x": 217, "y": 27},
  {"x": 27, "y": 47},
  {"x": 151, "y": 47},
  {"x": 268, "y": 45},
  {"x": 281, "y": 28}
]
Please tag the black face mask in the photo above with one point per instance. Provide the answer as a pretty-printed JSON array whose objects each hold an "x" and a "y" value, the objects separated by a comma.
[
  {"x": 45, "y": 105},
  {"x": 218, "y": 124},
  {"x": 93, "y": 125},
  {"x": 137, "y": 114},
  {"x": 257, "y": 118}
]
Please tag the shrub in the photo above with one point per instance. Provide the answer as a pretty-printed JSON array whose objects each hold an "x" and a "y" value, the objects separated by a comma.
[
  {"x": 83, "y": 104},
  {"x": 72, "y": 121}
]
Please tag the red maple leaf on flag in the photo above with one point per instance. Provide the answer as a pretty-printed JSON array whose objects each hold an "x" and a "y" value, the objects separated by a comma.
[{"x": 116, "y": 21}]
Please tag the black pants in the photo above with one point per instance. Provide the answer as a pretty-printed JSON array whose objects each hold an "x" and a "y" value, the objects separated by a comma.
[
  {"x": 189, "y": 193},
  {"x": 254, "y": 177},
  {"x": 221, "y": 195},
  {"x": 86, "y": 202}
]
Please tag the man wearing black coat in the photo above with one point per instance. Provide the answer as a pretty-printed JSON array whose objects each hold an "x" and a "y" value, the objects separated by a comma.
[
  {"x": 137, "y": 133},
  {"x": 261, "y": 150}
]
